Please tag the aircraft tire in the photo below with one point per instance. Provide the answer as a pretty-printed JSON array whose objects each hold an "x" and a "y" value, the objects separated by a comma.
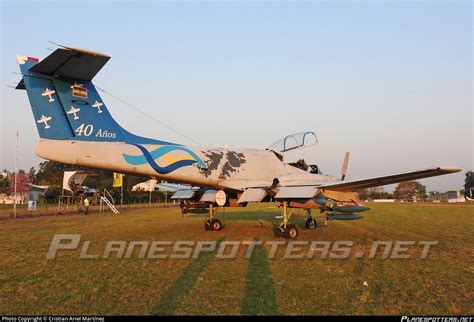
[
  {"x": 216, "y": 224},
  {"x": 291, "y": 232},
  {"x": 311, "y": 223}
]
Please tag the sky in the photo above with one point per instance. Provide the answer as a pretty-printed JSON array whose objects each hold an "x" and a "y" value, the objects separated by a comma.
[{"x": 391, "y": 82}]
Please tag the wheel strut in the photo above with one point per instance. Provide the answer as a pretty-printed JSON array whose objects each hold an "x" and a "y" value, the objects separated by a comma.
[
  {"x": 211, "y": 223},
  {"x": 310, "y": 222},
  {"x": 287, "y": 230}
]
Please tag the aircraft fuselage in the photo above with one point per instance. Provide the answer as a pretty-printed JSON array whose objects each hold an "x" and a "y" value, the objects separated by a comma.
[{"x": 234, "y": 169}]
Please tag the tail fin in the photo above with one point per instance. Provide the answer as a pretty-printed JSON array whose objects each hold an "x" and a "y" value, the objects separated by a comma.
[{"x": 65, "y": 102}]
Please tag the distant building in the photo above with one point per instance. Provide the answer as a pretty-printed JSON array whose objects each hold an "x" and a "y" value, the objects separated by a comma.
[
  {"x": 6, "y": 199},
  {"x": 455, "y": 196},
  {"x": 36, "y": 192},
  {"x": 437, "y": 196},
  {"x": 448, "y": 196}
]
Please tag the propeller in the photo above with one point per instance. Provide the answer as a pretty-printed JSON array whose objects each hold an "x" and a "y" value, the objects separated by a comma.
[{"x": 344, "y": 166}]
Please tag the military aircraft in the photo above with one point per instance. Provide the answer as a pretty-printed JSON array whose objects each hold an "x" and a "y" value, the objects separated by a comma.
[{"x": 89, "y": 136}]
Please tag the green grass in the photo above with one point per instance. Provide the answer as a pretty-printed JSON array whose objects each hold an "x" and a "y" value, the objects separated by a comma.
[
  {"x": 441, "y": 284},
  {"x": 6, "y": 210}
]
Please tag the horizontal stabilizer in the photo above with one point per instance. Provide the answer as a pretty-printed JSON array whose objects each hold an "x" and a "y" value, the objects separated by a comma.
[{"x": 71, "y": 63}]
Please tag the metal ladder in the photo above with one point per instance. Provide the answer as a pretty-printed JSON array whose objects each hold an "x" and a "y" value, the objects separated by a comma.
[{"x": 103, "y": 199}]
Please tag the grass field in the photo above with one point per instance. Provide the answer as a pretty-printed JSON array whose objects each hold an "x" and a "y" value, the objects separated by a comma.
[{"x": 441, "y": 284}]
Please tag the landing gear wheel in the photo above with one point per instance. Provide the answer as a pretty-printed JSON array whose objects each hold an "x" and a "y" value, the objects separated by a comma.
[
  {"x": 216, "y": 224},
  {"x": 290, "y": 232},
  {"x": 212, "y": 224},
  {"x": 311, "y": 223}
]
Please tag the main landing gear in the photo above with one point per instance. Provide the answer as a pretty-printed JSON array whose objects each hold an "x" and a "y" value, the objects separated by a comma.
[
  {"x": 290, "y": 231},
  {"x": 212, "y": 223},
  {"x": 310, "y": 222},
  {"x": 287, "y": 230}
]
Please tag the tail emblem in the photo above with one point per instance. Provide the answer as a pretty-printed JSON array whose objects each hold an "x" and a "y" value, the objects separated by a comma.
[
  {"x": 45, "y": 120},
  {"x": 48, "y": 92},
  {"x": 150, "y": 157},
  {"x": 78, "y": 90},
  {"x": 74, "y": 110},
  {"x": 98, "y": 105}
]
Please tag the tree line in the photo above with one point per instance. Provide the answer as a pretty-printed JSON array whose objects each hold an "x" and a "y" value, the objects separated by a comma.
[{"x": 50, "y": 173}]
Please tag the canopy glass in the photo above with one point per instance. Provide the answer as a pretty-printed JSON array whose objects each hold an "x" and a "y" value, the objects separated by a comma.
[{"x": 294, "y": 141}]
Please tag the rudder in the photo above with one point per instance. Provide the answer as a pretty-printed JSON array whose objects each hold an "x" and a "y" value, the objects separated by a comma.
[{"x": 65, "y": 102}]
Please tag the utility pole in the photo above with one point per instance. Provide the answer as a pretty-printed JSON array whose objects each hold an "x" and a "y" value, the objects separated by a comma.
[
  {"x": 16, "y": 175},
  {"x": 121, "y": 193}
]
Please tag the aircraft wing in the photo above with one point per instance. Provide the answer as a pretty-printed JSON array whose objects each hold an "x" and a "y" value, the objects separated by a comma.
[
  {"x": 385, "y": 180},
  {"x": 307, "y": 190}
]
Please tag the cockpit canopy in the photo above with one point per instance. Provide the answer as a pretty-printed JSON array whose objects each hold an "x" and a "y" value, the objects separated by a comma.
[{"x": 294, "y": 142}]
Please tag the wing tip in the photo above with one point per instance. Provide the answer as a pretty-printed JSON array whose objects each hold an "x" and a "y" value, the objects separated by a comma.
[{"x": 449, "y": 169}]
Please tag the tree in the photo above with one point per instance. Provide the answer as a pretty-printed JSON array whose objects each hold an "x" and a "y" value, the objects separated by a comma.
[
  {"x": 51, "y": 174},
  {"x": 22, "y": 184},
  {"x": 410, "y": 191},
  {"x": 32, "y": 174},
  {"x": 374, "y": 193},
  {"x": 4, "y": 182},
  {"x": 363, "y": 194},
  {"x": 469, "y": 184}
]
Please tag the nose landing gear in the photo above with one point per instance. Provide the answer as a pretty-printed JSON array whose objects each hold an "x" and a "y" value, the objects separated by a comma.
[
  {"x": 288, "y": 231},
  {"x": 212, "y": 223}
]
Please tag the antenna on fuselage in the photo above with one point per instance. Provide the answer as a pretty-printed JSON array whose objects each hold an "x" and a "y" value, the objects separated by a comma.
[
  {"x": 148, "y": 115},
  {"x": 345, "y": 164}
]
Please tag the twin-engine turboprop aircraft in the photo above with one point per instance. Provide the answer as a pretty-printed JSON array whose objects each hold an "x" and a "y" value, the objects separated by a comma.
[{"x": 75, "y": 127}]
